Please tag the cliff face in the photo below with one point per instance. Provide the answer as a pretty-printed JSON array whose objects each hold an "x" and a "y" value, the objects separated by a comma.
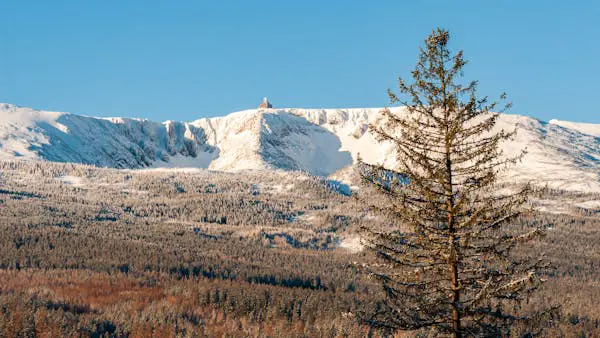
[{"x": 111, "y": 142}]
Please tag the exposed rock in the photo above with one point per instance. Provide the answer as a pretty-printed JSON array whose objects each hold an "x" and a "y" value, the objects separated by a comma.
[{"x": 265, "y": 104}]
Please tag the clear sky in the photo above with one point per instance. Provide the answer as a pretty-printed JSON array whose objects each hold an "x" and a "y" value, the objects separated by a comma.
[{"x": 183, "y": 60}]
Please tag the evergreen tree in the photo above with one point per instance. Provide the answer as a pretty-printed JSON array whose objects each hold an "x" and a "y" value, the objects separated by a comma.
[{"x": 449, "y": 266}]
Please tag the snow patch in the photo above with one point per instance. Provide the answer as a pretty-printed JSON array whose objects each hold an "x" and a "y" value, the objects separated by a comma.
[
  {"x": 590, "y": 205},
  {"x": 74, "y": 181},
  {"x": 586, "y": 128},
  {"x": 352, "y": 244}
]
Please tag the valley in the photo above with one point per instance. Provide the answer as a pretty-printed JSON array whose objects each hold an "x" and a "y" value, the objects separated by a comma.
[{"x": 93, "y": 251}]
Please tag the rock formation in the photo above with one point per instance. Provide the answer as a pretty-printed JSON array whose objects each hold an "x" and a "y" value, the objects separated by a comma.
[{"x": 265, "y": 104}]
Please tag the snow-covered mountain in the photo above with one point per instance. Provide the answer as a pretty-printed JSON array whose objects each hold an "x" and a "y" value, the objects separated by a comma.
[{"x": 561, "y": 154}]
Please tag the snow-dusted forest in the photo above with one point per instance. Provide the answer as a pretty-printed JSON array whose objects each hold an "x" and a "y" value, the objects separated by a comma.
[{"x": 86, "y": 250}]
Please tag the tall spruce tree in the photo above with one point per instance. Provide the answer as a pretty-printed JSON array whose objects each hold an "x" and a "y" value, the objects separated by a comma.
[{"x": 450, "y": 267}]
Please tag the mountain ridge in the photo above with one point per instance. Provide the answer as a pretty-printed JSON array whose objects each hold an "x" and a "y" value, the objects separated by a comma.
[{"x": 562, "y": 154}]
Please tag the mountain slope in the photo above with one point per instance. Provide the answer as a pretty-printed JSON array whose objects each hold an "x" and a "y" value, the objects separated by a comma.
[
  {"x": 110, "y": 142},
  {"x": 562, "y": 155}
]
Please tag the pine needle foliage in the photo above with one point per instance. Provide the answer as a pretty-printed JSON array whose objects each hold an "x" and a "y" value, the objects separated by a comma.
[{"x": 449, "y": 268}]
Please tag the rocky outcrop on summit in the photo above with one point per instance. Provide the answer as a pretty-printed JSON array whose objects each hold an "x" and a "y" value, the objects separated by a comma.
[{"x": 265, "y": 104}]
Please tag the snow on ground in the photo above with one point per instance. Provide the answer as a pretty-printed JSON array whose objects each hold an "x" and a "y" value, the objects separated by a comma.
[
  {"x": 111, "y": 142},
  {"x": 17, "y": 130},
  {"x": 562, "y": 155},
  {"x": 74, "y": 181},
  {"x": 352, "y": 244},
  {"x": 586, "y": 128},
  {"x": 351, "y": 127},
  {"x": 202, "y": 160},
  {"x": 556, "y": 157},
  {"x": 293, "y": 143},
  {"x": 160, "y": 170},
  {"x": 552, "y": 206},
  {"x": 280, "y": 188},
  {"x": 590, "y": 205}
]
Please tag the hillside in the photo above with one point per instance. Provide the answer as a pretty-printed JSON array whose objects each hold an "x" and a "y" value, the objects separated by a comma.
[
  {"x": 88, "y": 251},
  {"x": 562, "y": 155}
]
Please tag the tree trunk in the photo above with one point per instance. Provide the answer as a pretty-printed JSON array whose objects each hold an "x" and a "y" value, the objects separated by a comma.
[
  {"x": 456, "y": 327},
  {"x": 453, "y": 260}
]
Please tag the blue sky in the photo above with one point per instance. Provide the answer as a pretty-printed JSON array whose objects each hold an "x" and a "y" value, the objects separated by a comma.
[{"x": 183, "y": 60}]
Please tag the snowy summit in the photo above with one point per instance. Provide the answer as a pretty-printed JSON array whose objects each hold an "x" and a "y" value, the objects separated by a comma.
[{"x": 562, "y": 155}]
